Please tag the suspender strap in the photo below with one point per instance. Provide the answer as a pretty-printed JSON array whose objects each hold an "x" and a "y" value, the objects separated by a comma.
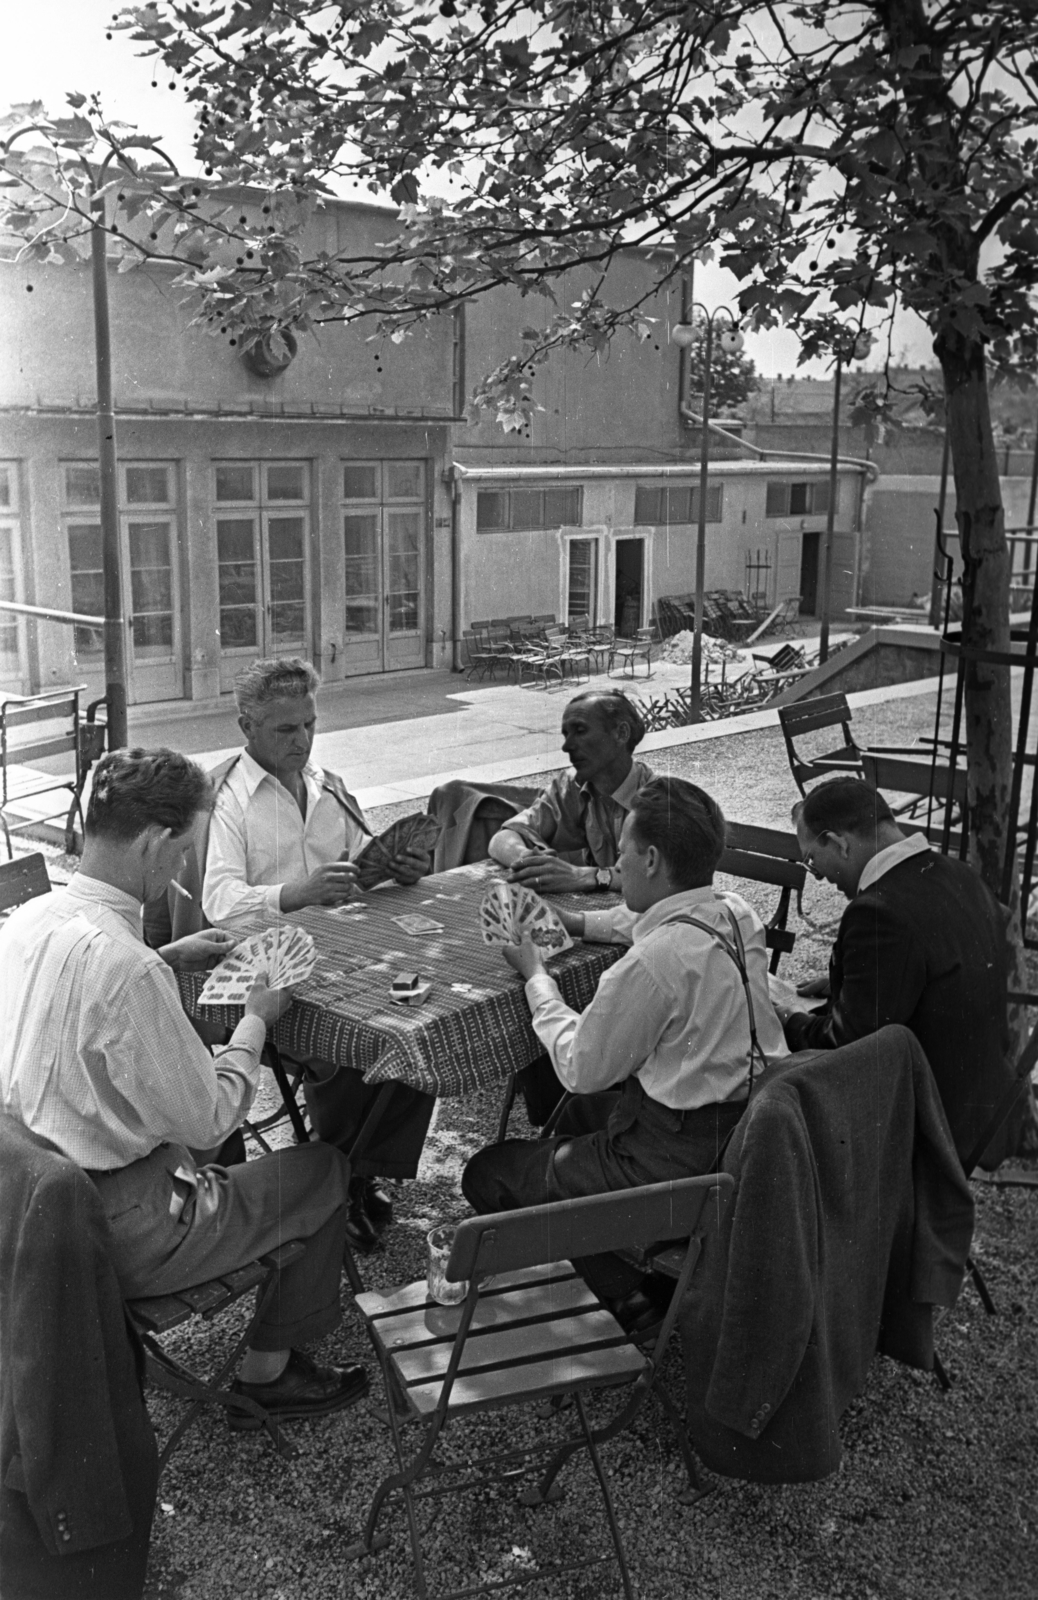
[
  {"x": 735, "y": 948},
  {"x": 333, "y": 785}
]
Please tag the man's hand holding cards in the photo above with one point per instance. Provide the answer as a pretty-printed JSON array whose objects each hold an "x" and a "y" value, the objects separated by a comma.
[{"x": 510, "y": 914}]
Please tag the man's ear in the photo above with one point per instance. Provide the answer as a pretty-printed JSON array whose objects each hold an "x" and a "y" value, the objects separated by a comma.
[
  {"x": 153, "y": 838},
  {"x": 245, "y": 724},
  {"x": 653, "y": 861}
]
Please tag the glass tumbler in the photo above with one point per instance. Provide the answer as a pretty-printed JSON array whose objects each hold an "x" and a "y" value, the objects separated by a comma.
[{"x": 443, "y": 1292}]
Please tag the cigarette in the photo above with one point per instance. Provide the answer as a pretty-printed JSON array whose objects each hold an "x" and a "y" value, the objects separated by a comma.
[{"x": 179, "y": 887}]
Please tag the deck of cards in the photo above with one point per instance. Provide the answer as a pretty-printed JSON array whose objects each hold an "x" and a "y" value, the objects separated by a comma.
[
  {"x": 283, "y": 957},
  {"x": 409, "y": 988},
  {"x": 510, "y": 913},
  {"x": 417, "y": 833}
]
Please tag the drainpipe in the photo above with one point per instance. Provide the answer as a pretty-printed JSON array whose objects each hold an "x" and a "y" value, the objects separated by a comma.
[
  {"x": 696, "y": 421},
  {"x": 456, "y": 624}
]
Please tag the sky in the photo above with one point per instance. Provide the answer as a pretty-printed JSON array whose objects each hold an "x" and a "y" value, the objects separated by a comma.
[{"x": 52, "y": 47}]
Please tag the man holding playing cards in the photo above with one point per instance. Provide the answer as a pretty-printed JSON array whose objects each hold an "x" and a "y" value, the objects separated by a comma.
[
  {"x": 285, "y": 835},
  {"x": 568, "y": 841},
  {"x": 671, "y": 1023},
  {"x": 99, "y": 1061}
]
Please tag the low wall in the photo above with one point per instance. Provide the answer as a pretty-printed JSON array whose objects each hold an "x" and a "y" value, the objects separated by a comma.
[{"x": 880, "y": 657}]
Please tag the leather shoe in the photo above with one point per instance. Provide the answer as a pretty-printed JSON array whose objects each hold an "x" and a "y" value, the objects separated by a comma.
[
  {"x": 303, "y": 1390},
  {"x": 360, "y": 1230},
  {"x": 378, "y": 1205},
  {"x": 637, "y": 1314}
]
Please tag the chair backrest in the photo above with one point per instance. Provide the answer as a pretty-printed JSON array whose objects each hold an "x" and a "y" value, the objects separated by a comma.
[
  {"x": 821, "y": 711},
  {"x": 1002, "y": 1112},
  {"x": 22, "y": 880},
  {"x": 763, "y": 868},
  {"x": 37, "y": 729},
  {"x": 905, "y": 776},
  {"x": 762, "y": 841},
  {"x": 625, "y": 1219}
]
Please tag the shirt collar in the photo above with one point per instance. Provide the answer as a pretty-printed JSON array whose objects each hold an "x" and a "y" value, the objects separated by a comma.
[
  {"x": 253, "y": 774},
  {"x": 883, "y": 860},
  {"x": 92, "y": 891},
  {"x": 675, "y": 905},
  {"x": 624, "y": 795}
]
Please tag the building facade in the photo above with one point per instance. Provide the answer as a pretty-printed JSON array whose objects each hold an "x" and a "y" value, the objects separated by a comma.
[{"x": 345, "y": 508}]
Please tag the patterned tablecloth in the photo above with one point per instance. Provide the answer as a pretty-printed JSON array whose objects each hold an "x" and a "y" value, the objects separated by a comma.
[{"x": 474, "y": 1027}]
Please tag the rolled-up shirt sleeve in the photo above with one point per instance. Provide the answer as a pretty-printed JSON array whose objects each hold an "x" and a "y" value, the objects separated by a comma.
[
  {"x": 615, "y": 926},
  {"x": 539, "y": 822},
  {"x": 227, "y": 895},
  {"x": 593, "y": 1049}
]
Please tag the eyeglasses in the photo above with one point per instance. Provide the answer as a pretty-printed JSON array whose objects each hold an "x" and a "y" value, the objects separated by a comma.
[{"x": 807, "y": 856}]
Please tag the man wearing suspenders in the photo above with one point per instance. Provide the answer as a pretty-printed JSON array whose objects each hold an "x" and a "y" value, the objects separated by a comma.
[{"x": 661, "y": 1062}]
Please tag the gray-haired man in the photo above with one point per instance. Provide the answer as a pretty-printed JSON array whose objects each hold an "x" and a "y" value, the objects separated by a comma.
[{"x": 283, "y": 836}]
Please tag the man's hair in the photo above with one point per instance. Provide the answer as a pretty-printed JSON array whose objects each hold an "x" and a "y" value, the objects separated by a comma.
[
  {"x": 685, "y": 824},
  {"x": 614, "y": 707},
  {"x": 843, "y": 805},
  {"x": 136, "y": 789},
  {"x": 286, "y": 678}
]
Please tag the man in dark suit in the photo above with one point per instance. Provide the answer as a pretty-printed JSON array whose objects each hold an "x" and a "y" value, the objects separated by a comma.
[{"x": 922, "y": 942}]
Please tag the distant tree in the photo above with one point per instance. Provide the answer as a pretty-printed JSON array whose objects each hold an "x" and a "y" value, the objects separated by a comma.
[
  {"x": 840, "y": 157},
  {"x": 733, "y": 378}
]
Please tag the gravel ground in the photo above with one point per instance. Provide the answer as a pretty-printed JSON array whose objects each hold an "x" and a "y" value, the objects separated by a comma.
[{"x": 937, "y": 1495}]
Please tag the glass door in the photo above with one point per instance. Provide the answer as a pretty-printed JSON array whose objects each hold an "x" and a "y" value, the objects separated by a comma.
[
  {"x": 262, "y": 534},
  {"x": 582, "y": 593},
  {"x": 384, "y": 521}
]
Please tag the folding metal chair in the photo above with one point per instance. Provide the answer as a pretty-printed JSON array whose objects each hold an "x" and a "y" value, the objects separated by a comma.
[
  {"x": 532, "y": 1333},
  {"x": 812, "y": 716}
]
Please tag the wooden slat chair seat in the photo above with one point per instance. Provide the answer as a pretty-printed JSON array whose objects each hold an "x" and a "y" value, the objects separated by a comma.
[
  {"x": 532, "y": 1333},
  {"x": 813, "y": 716},
  {"x": 160, "y": 1314}
]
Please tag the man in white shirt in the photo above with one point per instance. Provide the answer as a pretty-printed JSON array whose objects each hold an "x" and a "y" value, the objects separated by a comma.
[
  {"x": 98, "y": 1057},
  {"x": 284, "y": 835},
  {"x": 672, "y": 1022}
]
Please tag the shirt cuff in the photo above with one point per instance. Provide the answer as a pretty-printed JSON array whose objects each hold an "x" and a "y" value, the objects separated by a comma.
[
  {"x": 272, "y": 896},
  {"x": 251, "y": 1033},
  {"x": 540, "y": 989}
]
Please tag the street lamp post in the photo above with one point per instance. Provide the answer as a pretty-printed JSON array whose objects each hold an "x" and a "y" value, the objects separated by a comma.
[
  {"x": 847, "y": 350},
  {"x": 731, "y": 342},
  {"x": 111, "y": 552}
]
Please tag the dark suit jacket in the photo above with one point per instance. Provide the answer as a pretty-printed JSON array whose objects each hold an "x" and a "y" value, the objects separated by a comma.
[
  {"x": 925, "y": 946},
  {"x": 851, "y": 1219},
  {"x": 78, "y": 1466}
]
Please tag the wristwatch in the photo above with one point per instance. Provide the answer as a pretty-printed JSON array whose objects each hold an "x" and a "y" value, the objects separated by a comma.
[{"x": 603, "y": 877}]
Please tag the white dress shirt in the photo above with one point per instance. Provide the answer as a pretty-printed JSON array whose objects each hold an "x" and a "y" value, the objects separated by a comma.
[
  {"x": 97, "y": 1053},
  {"x": 259, "y": 841},
  {"x": 912, "y": 845},
  {"x": 673, "y": 1009}
]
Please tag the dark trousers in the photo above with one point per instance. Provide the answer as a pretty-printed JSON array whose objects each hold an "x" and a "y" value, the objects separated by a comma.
[
  {"x": 339, "y": 1100},
  {"x": 541, "y": 1089},
  {"x": 227, "y": 1220},
  {"x": 617, "y": 1140}
]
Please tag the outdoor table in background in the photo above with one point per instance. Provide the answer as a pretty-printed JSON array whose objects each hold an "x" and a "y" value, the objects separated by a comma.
[{"x": 474, "y": 1028}]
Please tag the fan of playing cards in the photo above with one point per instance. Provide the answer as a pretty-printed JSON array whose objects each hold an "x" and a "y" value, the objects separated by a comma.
[
  {"x": 283, "y": 956},
  {"x": 417, "y": 833},
  {"x": 510, "y": 913}
]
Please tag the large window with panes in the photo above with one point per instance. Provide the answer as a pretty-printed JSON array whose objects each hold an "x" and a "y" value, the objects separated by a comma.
[
  {"x": 147, "y": 526},
  {"x": 529, "y": 510},
  {"x": 664, "y": 505},
  {"x": 808, "y": 499},
  {"x": 11, "y": 629}
]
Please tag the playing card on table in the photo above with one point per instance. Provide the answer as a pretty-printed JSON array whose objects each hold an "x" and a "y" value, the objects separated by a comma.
[
  {"x": 510, "y": 913},
  {"x": 417, "y": 833},
  {"x": 414, "y": 923},
  {"x": 283, "y": 957}
]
